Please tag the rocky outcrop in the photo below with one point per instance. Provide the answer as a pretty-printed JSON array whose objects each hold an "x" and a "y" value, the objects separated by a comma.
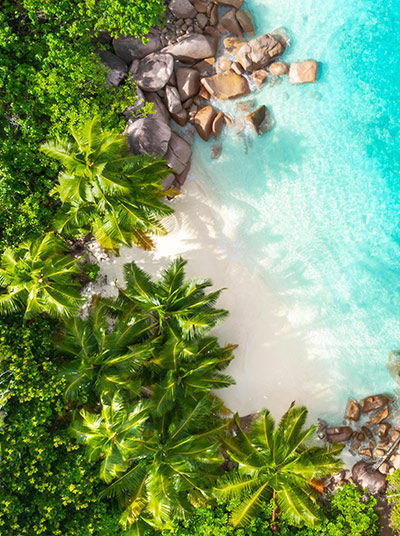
[
  {"x": 230, "y": 22},
  {"x": 194, "y": 47},
  {"x": 154, "y": 71},
  {"x": 188, "y": 82},
  {"x": 353, "y": 410},
  {"x": 130, "y": 48},
  {"x": 259, "y": 77},
  {"x": 203, "y": 122},
  {"x": 260, "y": 119},
  {"x": 365, "y": 477},
  {"x": 218, "y": 124},
  {"x": 303, "y": 72},
  {"x": 115, "y": 67},
  {"x": 182, "y": 9},
  {"x": 259, "y": 52},
  {"x": 226, "y": 85},
  {"x": 173, "y": 100},
  {"x": 245, "y": 20},
  {"x": 234, "y": 3},
  {"x": 371, "y": 403},
  {"x": 181, "y": 118},
  {"x": 159, "y": 109},
  {"x": 179, "y": 153},
  {"x": 278, "y": 68},
  {"x": 339, "y": 434},
  {"x": 149, "y": 136}
]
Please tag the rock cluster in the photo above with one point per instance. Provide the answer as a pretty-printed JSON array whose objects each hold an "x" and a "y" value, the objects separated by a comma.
[
  {"x": 371, "y": 435},
  {"x": 180, "y": 71}
]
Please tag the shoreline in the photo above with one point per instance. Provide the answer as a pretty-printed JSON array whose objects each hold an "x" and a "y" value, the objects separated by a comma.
[{"x": 257, "y": 322}]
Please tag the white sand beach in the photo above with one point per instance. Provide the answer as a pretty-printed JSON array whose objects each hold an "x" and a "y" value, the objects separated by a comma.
[{"x": 271, "y": 367}]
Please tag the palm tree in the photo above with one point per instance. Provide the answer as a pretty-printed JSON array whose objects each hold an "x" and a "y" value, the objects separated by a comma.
[
  {"x": 104, "y": 360},
  {"x": 169, "y": 471},
  {"x": 113, "y": 435},
  {"x": 39, "y": 277},
  {"x": 171, "y": 303},
  {"x": 275, "y": 461},
  {"x": 188, "y": 370},
  {"x": 106, "y": 191}
]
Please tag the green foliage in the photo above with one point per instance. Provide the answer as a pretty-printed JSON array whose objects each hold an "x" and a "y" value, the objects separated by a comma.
[
  {"x": 39, "y": 277},
  {"x": 277, "y": 459},
  {"x": 91, "y": 270},
  {"x": 348, "y": 513},
  {"x": 106, "y": 191},
  {"x": 50, "y": 78},
  {"x": 171, "y": 303},
  {"x": 46, "y": 485},
  {"x": 393, "y": 496},
  {"x": 117, "y": 16}
]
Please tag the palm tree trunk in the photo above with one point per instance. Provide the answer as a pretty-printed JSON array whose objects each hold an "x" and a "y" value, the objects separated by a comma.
[{"x": 274, "y": 517}]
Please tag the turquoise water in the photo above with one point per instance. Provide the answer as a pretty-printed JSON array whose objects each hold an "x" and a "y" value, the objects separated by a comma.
[{"x": 318, "y": 196}]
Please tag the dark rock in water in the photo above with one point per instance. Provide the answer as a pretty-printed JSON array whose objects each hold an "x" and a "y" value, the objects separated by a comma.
[
  {"x": 203, "y": 122},
  {"x": 178, "y": 154},
  {"x": 130, "y": 48},
  {"x": 339, "y": 434},
  {"x": 260, "y": 119},
  {"x": 384, "y": 429},
  {"x": 367, "y": 432},
  {"x": 154, "y": 71},
  {"x": 116, "y": 68},
  {"x": 149, "y": 136},
  {"x": 374, "y": 402},
  {"x": 216, "y": 151},
  {"x": 353, "y": 410},
  {"x": 374, "y": 481},
  {"x": 380, "y": 415}
]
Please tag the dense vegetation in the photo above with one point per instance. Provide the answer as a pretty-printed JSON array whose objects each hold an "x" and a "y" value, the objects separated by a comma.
[{"x": 50, "y": 79}]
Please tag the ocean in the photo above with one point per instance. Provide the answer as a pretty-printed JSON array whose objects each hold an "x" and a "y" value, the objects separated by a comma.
[{"x": 316, "y": 201}]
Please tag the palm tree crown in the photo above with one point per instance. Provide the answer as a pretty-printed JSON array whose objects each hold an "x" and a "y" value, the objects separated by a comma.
[
  {"x": 171, "y": 303},
  {"x": 39, "y": 277},
  {"x": 104, "y": 360},
  {"x": 274, "y": 460},
  {"x": 106, "y": 191}
]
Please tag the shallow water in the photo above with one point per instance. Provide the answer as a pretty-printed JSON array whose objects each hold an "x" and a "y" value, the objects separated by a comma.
[{"x": 315, "y": 202}]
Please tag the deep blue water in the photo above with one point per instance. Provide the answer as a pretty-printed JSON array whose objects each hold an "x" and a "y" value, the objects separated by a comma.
[{"x": 318, "y": 197}]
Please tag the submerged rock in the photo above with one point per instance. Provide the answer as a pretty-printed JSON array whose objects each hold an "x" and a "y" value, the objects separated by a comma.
[
  {"x": 303, "y": 72},
  {"x": 226, "y": 85},
  {"x": 260, "y": 119}
]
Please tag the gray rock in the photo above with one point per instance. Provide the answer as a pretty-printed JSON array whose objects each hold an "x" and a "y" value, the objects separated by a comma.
[
  {"x": 159, "y": 109},
  {"x": 130, "y": 48},
  {"x": 134, "y": 67},
  {"x": 194, "y": 47},
  {"x": 202, "y": 20},
  {"x": 188, "y": 82},
  {"x": 374, "y": 481},
  {"x": 338, "y": 434},
  {"x": 230, "y": 23},
  {"x": 178, "y": 154},
  {"x": 259, "y": 52},
  {"x": 149, "y": 136},
  {"x": 154, "y": 71},
  {"x": 173, "y": 100},
  {"x": 182, "y": 9},
  {"x": 115, "y": 67}
]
